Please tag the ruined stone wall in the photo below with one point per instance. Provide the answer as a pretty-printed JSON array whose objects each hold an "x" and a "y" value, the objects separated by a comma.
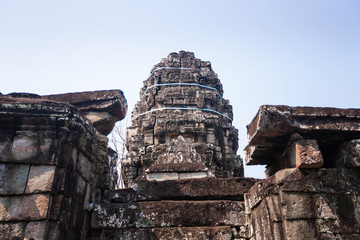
[
  {"x": 305, "y": 204},
  {"x": 55, "y": 177},
  {"x": 50, "y": 158},
  {"x": 182, "y": 98},
  {"x": 312, "y": 157}
]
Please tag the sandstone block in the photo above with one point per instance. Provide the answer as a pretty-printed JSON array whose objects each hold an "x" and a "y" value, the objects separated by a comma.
[
  {"x": 297, "y": 205},
  {"x": 337, "y": 206},
  {"x": 189, "y": 233},
  {"x": 5, "y": 149},
  {"x": 168, "y": 214},
  {"x": 270, "y": 129},
  {"x": 54, "y": 231},
  {"x": 32, "y": 148},
  {"x": 193, "y": 175},
  {"x": 84, "y": 166},
  {"x": 87, "y": 197},
  {"x": 24, "y": 148},
  {"x": 40, "y": 179},
  {"x": 36, "y": 230},
  {"x": 12, "y": 231},
  {"x": 305, "y": 153},
  {"x": 103, "y": 108},
  {"x": 58, "y": 203},
  {"x": 186, "y": 189},
  {"x": 162, "y": 176},
  {"x": 255, "y": 195},
  {"x": 149, "y": 137},
  {"x": 338, "y": 226},
  {"x": 274, "y": 205},
  {"x": 24, "y": 208},
  {"x": 81, "y": 186},
  {"x": 13, "y": 178},
  {"x": 261, "y": 224},
  {"x": 300, "y": 229},
  {"x": 330, "y": 236},
  {"x": 349, "y": 153}
]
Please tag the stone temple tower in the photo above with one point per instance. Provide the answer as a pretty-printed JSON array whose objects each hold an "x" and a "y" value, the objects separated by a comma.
[{"x": 182, "y": 125}]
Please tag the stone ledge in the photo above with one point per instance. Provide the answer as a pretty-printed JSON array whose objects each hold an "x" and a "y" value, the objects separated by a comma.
[
  {"x": 325, "y": 181},
  {"x": 272, "y": 126},
  {"x": 187, "y": 189},
  {"x": 189, "y": 233},
  {"x": 102, "y": 108},
  {"x": 168, "y": 214}
]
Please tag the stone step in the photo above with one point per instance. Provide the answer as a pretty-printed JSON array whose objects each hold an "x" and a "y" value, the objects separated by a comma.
[
  {"x": 190, "y": 233},
  {"x": 186, "y": 189},
  {"x": 168, "y": 214}
]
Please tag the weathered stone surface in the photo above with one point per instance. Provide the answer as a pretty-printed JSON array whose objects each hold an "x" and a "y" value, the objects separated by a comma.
[
  {"x": 36, "y": 230},
  {"x": 162, "y": 176},
  {"x": 40, "y": 179},
  {"x": 178, "y": 167},
  {"x": 323, "y": 201},
  {"x": 182, "y": 117},
  {"x": 40, "y": 122},
  {"x": 102, "y": 108},
  {"x": 6, "y": 142},
  {"x": 168, "y": 214},
  {"x": 12, "y": 231},
  {"x": 53, "y": 231},
  {"x": 46, "y": 180},
  {"x": 189, "y": 233},
  {"x": 186, "y": 189},
  {"x": 13, "y": 178},
  {"x": 271, "y": 128},
  {"x": 349, "y": 153},
  {"x": 335, "y": 226},
  {"x": 22, "y": 208},
  {"x": 297, "y": 206},
  {"x": 193, "y": 175},
  {"x": 300, "y": 229},
  {"x": 24, "y": 148},
  {"x": 306, "y": 154}
]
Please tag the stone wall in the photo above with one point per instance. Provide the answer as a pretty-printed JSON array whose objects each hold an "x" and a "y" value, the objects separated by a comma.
[
  {"x": 306, "y": 204},
  {"x": 50, "y": 158},
  {"x": 313, "y": 189}
]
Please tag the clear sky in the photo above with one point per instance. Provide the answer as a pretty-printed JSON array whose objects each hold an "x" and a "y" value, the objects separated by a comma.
[{"x": 297, "y": 53}]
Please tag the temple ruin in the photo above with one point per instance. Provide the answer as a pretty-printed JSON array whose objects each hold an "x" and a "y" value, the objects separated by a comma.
[
  {"x": 181, "y": 127},
  {"x": 184, "y": 179}
]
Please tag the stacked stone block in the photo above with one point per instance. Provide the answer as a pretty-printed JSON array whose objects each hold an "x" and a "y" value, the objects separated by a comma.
[
  {"x": 312, "y": 157},
  {"x": 175, "y": 209},
  {"x": 50, "y": 159},
  {"x": 305, "y": 204}
]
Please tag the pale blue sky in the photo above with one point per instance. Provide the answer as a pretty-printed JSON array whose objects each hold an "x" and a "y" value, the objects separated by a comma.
[{"x": 298, "y": 53}]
